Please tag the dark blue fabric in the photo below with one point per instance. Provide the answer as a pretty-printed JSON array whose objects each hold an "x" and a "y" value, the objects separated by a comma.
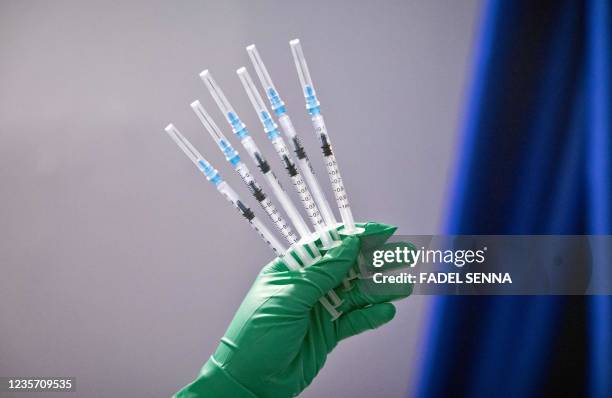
[{"x": 535, "y": 158}]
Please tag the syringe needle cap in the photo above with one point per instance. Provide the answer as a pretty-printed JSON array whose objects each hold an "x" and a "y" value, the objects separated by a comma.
[{"x": 302, "y": 67}]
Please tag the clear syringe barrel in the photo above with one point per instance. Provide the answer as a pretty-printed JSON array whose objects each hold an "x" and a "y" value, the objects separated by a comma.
[
  {"x": 281, "y": 149},
  {"x": 313, "y": 108},
  {"x": 281, "y": 195},
  {"x": 213, "y": 176},
  {"x": 256, "y": 224},
  {"x": 306, "y": 168},
  {"x": 239, "y": 128},
  {"x": 278, "y": 106},
  {"x": 232, "y": 156},
  {"x": 331, "y": 164}
]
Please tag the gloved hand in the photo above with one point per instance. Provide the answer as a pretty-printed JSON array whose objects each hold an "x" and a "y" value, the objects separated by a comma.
[{"x": 280, "y": 337}]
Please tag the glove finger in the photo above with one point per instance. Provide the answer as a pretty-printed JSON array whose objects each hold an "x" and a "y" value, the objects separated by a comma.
[
  {"x": 360, "y": 320},
  {"x": 366, "y": 293},
  {"x": 327, "y": 273},
  {"x": 375, "y": 234}
]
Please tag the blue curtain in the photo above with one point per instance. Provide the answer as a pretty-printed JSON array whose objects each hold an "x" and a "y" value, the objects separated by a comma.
[{"x": 535, "y": 158}]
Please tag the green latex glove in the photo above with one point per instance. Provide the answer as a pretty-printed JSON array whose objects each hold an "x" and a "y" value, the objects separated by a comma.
[{"x": 280, "y": 337}]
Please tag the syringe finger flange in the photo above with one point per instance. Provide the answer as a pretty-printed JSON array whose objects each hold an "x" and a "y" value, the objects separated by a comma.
[{"x": 307, "y": 259}]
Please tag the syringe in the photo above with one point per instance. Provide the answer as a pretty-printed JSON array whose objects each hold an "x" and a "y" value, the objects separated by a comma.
[
  {"x": 231, "y": 155},
  {"x": 313, "y": 107},
  {"x": 224, "y": 188},
  {"x": 239, "y": 128},
  {"x": 279, "y": 108},
  {"x": 278, "y": 142}
]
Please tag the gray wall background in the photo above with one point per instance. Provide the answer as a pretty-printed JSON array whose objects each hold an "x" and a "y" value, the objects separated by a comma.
[{"x": 120, "y": 265}]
